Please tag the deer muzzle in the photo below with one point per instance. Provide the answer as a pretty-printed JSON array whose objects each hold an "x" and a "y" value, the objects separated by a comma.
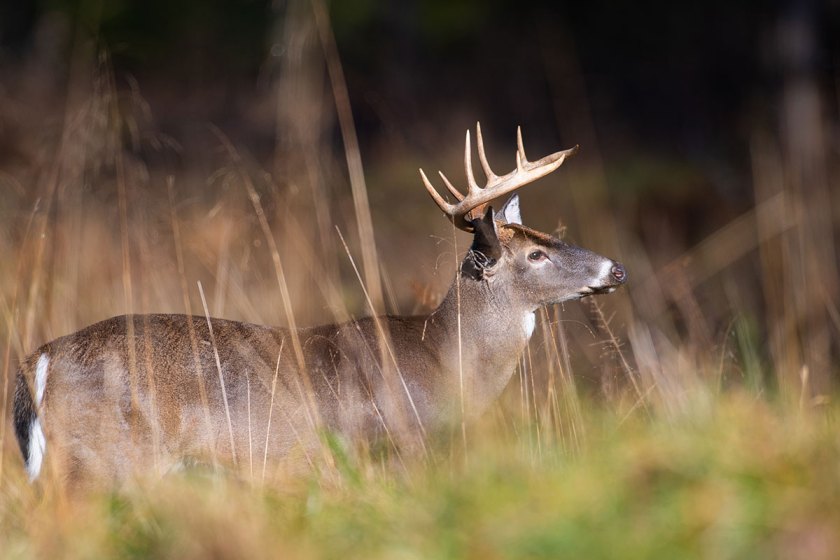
[{"x": 612, "y": 276}]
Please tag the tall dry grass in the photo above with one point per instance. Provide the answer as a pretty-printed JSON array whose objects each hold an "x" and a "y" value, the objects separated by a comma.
[{"x": 732, "y": 341}]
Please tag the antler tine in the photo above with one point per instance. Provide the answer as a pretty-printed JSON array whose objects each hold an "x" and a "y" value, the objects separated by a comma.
[
  {"x": 447, "y": 208},
  {"x": 455, "y": 192},
  {"x": 481, "y": 155},
  {"x": 474, "y": 189},
  {"x": 521, "y": 159},
  {"x": 552, "y": 161},
  {"x": 451, "y": 210}
]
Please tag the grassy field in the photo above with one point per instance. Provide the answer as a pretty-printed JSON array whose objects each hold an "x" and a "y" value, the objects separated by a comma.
[
  {"x": 731, "y": 477},
  {"x": 690, "y": 415}
]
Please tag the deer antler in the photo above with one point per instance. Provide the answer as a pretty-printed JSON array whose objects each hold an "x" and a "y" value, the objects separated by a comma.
[{"x": 477, "y": 198}]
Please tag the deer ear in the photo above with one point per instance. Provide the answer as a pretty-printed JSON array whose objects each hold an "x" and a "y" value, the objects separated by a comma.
[
  {"x": 486, "y": 238},
  {"x": 510, "y": 211}
]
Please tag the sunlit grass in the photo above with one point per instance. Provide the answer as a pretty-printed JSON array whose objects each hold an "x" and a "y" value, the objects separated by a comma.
[{"x": 740, "y": 479}]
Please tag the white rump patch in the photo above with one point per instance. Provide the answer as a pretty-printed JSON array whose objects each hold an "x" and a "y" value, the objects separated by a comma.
[
  {"x": 41, "y": 378},
  {"x": 529, "y": 323},
  {"x": 37, "y": 440}
]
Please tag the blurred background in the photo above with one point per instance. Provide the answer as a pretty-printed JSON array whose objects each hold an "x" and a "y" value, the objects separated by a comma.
[{"x": 149, "y": 146}]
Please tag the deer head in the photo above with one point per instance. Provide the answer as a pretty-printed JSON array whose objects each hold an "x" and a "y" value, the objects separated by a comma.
[
  {"x": 509, "y": 272},
  {"x": 541, "y": 269},
  {"x": 530, "y": 267}
]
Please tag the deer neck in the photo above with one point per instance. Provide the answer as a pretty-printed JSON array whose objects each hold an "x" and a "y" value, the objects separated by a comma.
[{"x": 481, "y": 333}]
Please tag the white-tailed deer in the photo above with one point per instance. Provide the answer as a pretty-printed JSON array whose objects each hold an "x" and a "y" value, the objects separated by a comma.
[{"x": 145, "y": 392}]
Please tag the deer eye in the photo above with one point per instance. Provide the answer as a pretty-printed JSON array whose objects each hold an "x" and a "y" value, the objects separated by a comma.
[{"x": 537, "y": 256}]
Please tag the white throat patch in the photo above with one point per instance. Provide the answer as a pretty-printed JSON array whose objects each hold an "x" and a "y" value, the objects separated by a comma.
[{"x": 528, "y": 324}]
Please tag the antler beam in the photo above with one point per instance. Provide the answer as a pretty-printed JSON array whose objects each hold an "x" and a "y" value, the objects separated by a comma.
[{"x": 477, "y": 198}]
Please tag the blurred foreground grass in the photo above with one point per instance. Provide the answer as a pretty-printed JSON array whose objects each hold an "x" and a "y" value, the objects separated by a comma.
[{"x": 732, "y": 477}]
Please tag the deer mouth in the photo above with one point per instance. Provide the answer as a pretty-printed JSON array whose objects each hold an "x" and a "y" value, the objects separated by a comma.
[
  {"x": 603, "y": 290},
  {"x": 596, "y": 290}
]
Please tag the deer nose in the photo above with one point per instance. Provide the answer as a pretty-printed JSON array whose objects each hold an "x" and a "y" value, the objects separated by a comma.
[{"x": 618, "y": 272}]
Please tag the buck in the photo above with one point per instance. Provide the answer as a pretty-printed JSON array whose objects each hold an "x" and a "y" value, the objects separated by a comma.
[{"x": 141, "y": 392}]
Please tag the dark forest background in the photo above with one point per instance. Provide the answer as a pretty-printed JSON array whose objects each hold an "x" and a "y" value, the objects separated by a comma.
[{"x": 682, "y": 83}]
